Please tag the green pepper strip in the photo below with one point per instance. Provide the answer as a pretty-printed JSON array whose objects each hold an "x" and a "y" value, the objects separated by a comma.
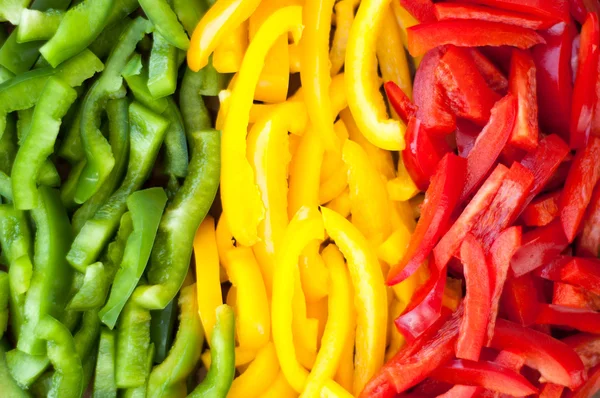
[
  {"x": 10, "y": 10},
  {"x": 133, "y": 341},
  {"x": 8, "y": 146},
  {"x": 80, "y": 26},
  {"x": 107, "y": 39},
  {"x": 161, "y": 330},
  {"x": 89, "y": 366},
  {"x": 176, "y": 150},
  {"x": 67, "y": 380},
  {"x": 104, "y": 382},
  {"x": 172, "y": 250},
  {"x": 186, "y": 350},
  {"x": 23, "y": 91},
  {"x": 71, "y": 148},
  {"x": 138, "y": 84},
  {"x": 52, "y": 275},
  {"x": 134, "y": 66},
  {"x": 222, "y": 353},
  {"x": 55, "y": 100},
  {"x": 140, "y": 392},
  {"x": 146, "y": 208},
  {"x": 38, "y": 25},
  {"x": 4, "y": 298},
  {"x": 147, "y": 132},
  {"x": 162, "y": 76},
  {"x": 116, "y": 249},
  {"x": 118, "y": 127},
  {"x": 5, "y": 186},
  {"x": 165, "y": 20},
  {"x": 67, "y": 190},
  {"x": 9, "y": 386},
  {"x": 92, "y": 293},
  {"x": 189, "y": 12},
  {"x": 194, "y": 112},
  {"x": 88, "y": 333}
]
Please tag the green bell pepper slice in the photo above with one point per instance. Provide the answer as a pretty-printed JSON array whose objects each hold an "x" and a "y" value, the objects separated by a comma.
[
  {"x": 194, "y": 111},
  {"x": 92, "y": 293},
  {"x": 133, "y": 342},
  {"x": 162, "y": 76},
  {"x": 189, "y": 12},
  {"x": 4, "y": 299},
  {"x": 9, "y": 386},
  {"x": 116, "y": 248},
  {"x": 104, "y": 383},
  {"x": 141, "y": 391},
  {"x": 176, "y": 149},
  {"x": 25, "y": 369},
  {"x": 164, "y": 19},
  {"x": 10, "y": 10},
  {"x": 105, "y": 42},
  {"x": 38, "y": 25},
  {"x": 138, "y": 84},
  {"x": 161, "y": 330}
]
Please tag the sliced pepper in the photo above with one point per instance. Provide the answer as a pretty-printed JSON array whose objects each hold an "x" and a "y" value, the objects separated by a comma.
[
  {"x": 423, "y": 10},
  {"x": 589, "y": 242},
  {"x": 558, "y": 10},
  {"x": 392, "y": 56},
  {"x": 542, "y": 210},
  {"x": 490, "y": 72},
  {"x": 445, "y": 11},
  {"x": 590, "y": 387},
  {"x": 576, "y": 318},
  {"x": 165, "y": 21},
  {"x": 581, "y": 272},
  {"x": 522, "y": 85},
  {"x": 400, "y": 102},
  {"x": 259, "y": 376}
]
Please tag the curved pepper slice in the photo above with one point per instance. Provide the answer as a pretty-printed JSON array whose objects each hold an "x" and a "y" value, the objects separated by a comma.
[
  {"x": 392, "y": 56},
  {"x": 259, "y": 376},
  {"x": 522, "y": 85},
  {"x": 165, "y": 21},
  {"x": 590, "y": 387},
  {"x": 584, "y": 320},
  {"x": 586, "y": 346},
  {"x": 581, "y": 272},
  {"x": 344, "y": 17},
  {"x": 400, "y": 101},
  {"x": 445, "y": 11},
  {"x": 557, "y": 10}
]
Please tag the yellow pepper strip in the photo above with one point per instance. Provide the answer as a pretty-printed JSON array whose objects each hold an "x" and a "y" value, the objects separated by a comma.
[
  {"x": 294, "y": 52},
  {"x": 344, "y": 16},
  {"x": 292, "y": 113},
  {"x": 333, "y": 390},
  {"x": 345, "y": 372},
  {"x": 394, "y": 247},
  {"x": 224, "y": 241},
  {"x": 305, "y": 171},
  {"x": 392, "y": 56},
  {"x": 362, "y": 82},
  {"x": 253, "y": 316},
  {"x": 318, "y": 310},
  {"x": 224, "y": 96},
  {"x": 223, "y": 17},
  {"x": 338, "y": 325},
  {"x": 274, "y": 79},
  {"x": 306, "y": 226},
  {"x": 337, "y": 93},
  {"x": 381, "y": 159},
  {"x": 341, "y": 204},
  {"x": 305, "y": 329},
  {"x": 242, "y": 357},
  {"x": 397, "y": 340},
  {"x": 207, "y": 265},
  {"x": 314, "y": 68},
  {"x": 402, "y": 188},
  {"x": 334, "y": 186},
  {"x": 228, "y": 55},
  {"x": 370, "y": 205},
  {"x": 280, "y": 389},
  {"x": 370, "y": 295},
  {"x": 402, "y": 214},
  {"x": 332, "y": 160},
  {"x": 313, "y": 273},
  {"x": 237, "y": 176},
  {"x": 231, "y": 298},
  {"x": 405, "y": 20},
  {"x": 259, "y": 376},
  {"x": 405, "y": 289}
]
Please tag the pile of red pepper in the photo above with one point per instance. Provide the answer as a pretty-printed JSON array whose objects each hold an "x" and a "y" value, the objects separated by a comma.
[{"x": 504, "y": 136}]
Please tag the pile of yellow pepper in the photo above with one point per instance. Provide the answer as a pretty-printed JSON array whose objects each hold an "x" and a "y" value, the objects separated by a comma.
[{"x": 315, "y": 208}]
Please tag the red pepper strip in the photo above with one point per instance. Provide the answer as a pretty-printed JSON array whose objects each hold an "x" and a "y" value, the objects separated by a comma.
[
  {"x": 429, "y": 97},
  {"x": 460, "y": 391},
  {"x": 427, "y": 388},
  {"x": 540, "y": 246},
  {"x": 584, "y": 91},
  {"x": 466, "y": 89},
  {"x": 484, "y": 374},
  {"x": 425, "y": 307},
  {"x": 556, "y": 10},
  {"x": 583, "y": 272},
  {"x": 554, "y": 359},
  {"x": 469, "y": 33},
  {"x": 499, "y": 261},
  {"x": 576, "y": 318},
  {"x": 400, "y": 101},
  {"x": 588, "y": 245},
  {"x": 542, "y": 210},
  {"x": 506, "y": 206},
  {"x": 492, "y": 75},
  {"x": 489, "y": 143},
  {"x": 473, "y": 328},
  {"x": 591, "y": 386},
  {"x": 595, "y": 128},
  {"x": 423, "y": 10},
  {"x": 444, "y": 11},
  {"x": 577, "y": 194},
  {"x": 522, "y": 84},
  {"x": 416, "y": 361},
  {"x": 466, "y": 135},
  {"x": 587, "y": 346},
  {"x": 520, "y": 299},
  {"x": 421, "y": 154},
  {"x": 440, "y": 200},
  {"x": 580, "y": 8},
  {"x": 575, "y": 297},
  {"x": 554, "y": 78},
  {"x": 451, "y": 241},
  {"x": 550, "y": 390}
]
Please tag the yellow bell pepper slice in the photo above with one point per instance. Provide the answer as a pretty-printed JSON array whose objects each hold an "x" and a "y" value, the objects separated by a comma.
[
  {"x": 305, "y": 171},
  {"x": 344, "y": 16},
  {"x": 292, "y": 113},
  {"x": 314, "y": 276},
  {"x": 344, "y": 375},
  {"x": 207, "y": 264},
  {"x": 314, "y": 68},
  {"x": 333, "y": 186},
  {"x": 306, "y": 226},
  {"x": 362, "y": 82},
  {"x": 306, "y": 329},
  {"x": 295, "y": 56},
  {"x": 391, "y": 54},
  {"x": 231, "y": 298},
  {"x": 402, "y": 214},
  {"x": 280, "y": 389},
  {"x": 405, "y": 20},
  {"x": 228, "y": 55},
  {"x": 318, "y": 310},
  {"x": 338, "y": 325},
  {"x": 259, "y": 375},
  {"x": 337, "y": 92},
  {"x": 395, "y": 246},
  {"x": 332, "y": 160},
  {"x": 341, "y": 204},
  {"x": 397, "y": 340},
  {"x": 405, "y": 289},
  {"x": 237, "y": 176},
  {"x": 224, "y": 96},
  {"x": 402, "y": 188},
  {"x": 242, "y": 357},
  {"x": 333, "y": 390},
  {"x": 252, "y": 305},
  {"x": 224, "y": 241},
  {"x": 370, "y": 295}
]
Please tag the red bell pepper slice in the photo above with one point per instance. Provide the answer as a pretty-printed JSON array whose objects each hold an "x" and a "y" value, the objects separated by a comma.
[
  {"x": 467, "y": 91},
  {"x": 522, "y": 83},
  {"x": 469, "y": 33},
  {"x": 400, "y": 101},
  {"x": 473, "y": 328},
  {"x": 550, "y": 390},
  {"x": 575, "y": 297},
  {"x": 440, "y": 201},
  {"x": 484, "y": 374},
  {"x": 591, "y": 386},
  {"x": 444, "y": 11},
  {"x": 427, "y": 388},
  {"x": 466, "y": 135},
  {"x": 576, "y": 318},
  {"x": 588, "y": 244},
  {"x": 521, "y": 298},
  {"x": 423, "y": 10},
  {"x": 587, "y": 346},
  {"x": 422, "y": 155},
  {"x": 583, "y": 272},
  {"x": 540, "y": 246},
  {"x": 506, "y": 205},
  {"x": 416, "y": 361},
  {"x": 595, "y": 127},
  {"x": 489, "y": 143},
  {"x": 557, "y": 10},
  {"x": 555, "y": 360},
  {"x": 542, "y": 210},
  {"x": 499, "y": 261},
  {"x": 460, "y": 391},
  {"x": 580, "y": 8},
  {"x": 493, "y": 76},
  {"x": 430, "y": 98},
  {"x": 584, "y": 91},
  {"x": 579, "y": 186},
  {"x": 554, "y": 78},
  {"x": 451, "y": 241}
]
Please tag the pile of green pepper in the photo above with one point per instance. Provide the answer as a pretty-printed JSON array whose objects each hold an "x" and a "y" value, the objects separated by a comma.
[{"x": 108, "y": 165}]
